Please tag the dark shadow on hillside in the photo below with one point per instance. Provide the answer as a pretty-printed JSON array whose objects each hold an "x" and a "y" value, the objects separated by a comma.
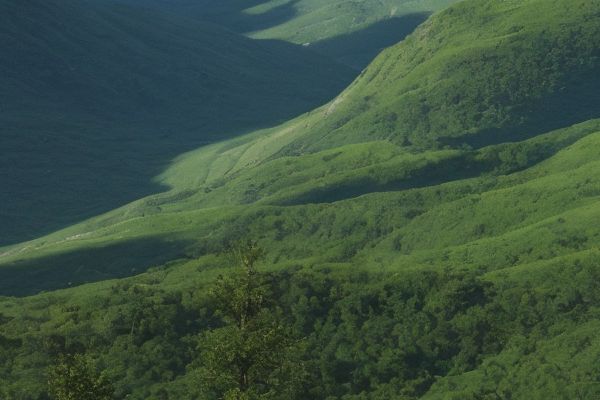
[
  {"x": 62, "y": 165},
  {"x": 461, "y": 167},
  {"x": 467, "y": 165},
  {"x": 25, "y": 278},
  {"x": 355, "y": 49},
  {"x": 574, "y": 104},
  {"x": 359, "y": 48},
  {"x": 85, "y": 126},
  {"x": 228, "y": 13},
  {"x": 242, "y": 22}
]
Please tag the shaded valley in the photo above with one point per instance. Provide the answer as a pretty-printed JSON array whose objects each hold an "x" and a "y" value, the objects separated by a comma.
[{"x": 100, "y": 98}]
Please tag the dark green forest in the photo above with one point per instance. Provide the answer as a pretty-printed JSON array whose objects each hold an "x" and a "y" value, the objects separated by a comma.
[{"x": 354, "y": 334}]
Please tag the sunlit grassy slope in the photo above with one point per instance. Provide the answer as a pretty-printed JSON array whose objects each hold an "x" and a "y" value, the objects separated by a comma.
[
  {"x": 469, "y": 148},
  {"x": 97, "y": 99},
  {"x": 352, "y": 147},
  {"x": 318, "y": 20},
  {"x": 352, "y": 31}
]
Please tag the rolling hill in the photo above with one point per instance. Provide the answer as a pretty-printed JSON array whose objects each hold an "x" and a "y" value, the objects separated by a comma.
[
  {"x": 433, "y": 230},
  {"x": 99, "y": 98}
]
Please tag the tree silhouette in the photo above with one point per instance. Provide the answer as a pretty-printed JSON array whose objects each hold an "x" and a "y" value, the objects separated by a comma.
[{"x": 252, "y": 355}]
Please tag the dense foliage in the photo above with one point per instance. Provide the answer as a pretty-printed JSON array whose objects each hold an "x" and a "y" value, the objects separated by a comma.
[
  {"x": 74, "y": 378},
  {"x": 478, "y": 73},
  {"x": 367, "y": 335},
  {"x": 251, "y": 355}
]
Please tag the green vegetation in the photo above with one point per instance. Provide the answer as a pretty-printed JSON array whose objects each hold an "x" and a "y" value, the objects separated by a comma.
[
  {"x": 250, "y": 357},
  {"x": 267, "y": 182},
  {"x": 73, "y": 378},
  {"x": 432, "y": 234},
  {"x": 474, "y": 74},
  {"x": 522, "y": 331}
]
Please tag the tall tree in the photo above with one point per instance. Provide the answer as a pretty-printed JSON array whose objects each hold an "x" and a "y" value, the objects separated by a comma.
[
  {"x": 73, "y": 377},
  {"x": 252, "y": 354}
]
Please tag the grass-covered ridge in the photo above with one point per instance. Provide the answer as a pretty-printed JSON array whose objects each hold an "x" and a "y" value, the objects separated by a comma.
[
  {"x": 352, "y": 31},
  {"x": 455, "y": 258}
]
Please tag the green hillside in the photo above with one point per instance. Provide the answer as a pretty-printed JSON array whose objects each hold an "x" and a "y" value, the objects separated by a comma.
[
  {"x": 98, "y": 99},
  {"x": 432, "y": 232},
  {"x": 474, "y": 75},
  {"x": 352, "y": 31},
  {"x": 526, "y": 237}
]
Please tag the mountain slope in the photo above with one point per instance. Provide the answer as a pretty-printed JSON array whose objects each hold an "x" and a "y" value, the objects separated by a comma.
[
  {"x": 97, "y": 99},
  {"x": 457, "y": 259},
  {"x": 514, "y": 223},
  {"x": 544, "y": 215},
  {"x": 308, "y": 161},
  {"x": 477, "y": 75}
]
